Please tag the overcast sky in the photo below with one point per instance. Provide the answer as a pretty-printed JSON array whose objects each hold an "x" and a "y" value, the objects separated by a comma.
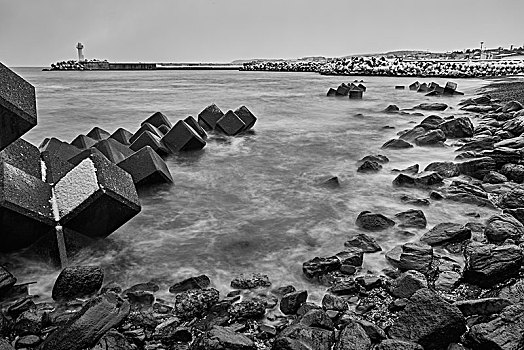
[{"x": 38, "y": 33}]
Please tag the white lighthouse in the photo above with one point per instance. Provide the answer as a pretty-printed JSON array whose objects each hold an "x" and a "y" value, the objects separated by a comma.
[{"x": 80, "y": 47}]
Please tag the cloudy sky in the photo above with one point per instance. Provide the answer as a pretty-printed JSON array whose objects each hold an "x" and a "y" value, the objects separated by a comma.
[{"x": 37, "y": 33}]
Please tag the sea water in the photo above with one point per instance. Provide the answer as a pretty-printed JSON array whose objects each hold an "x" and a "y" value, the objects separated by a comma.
[{"x": 249, "y": 203}]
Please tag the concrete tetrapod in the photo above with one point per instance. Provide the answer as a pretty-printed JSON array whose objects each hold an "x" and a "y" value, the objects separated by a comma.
[
  {"x": 146, "y": 167},
  {"x": 182, "y": 138},
  {"x": 17, "y": 106}
]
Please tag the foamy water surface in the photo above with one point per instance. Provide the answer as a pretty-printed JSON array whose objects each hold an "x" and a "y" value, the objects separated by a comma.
[{"x": 250, "y": 203}]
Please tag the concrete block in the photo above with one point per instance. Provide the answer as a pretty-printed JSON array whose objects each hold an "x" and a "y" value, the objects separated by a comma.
[
  {"x": 342, "y": 90},
  {"x": 25, "y": 208},
  {"x": 143, "y": 128},
  {"x": 355, "y": 94},
  {"x": 23, "y": 155},
  {"x": 147, "y": 138},
  {"x": 414, "y": 86},
  {"x": 157, "y": 120},
  {"x": 96, "y": 197},
  {"x": 113, "y": 150},
  {"x": 164, "y": 129},
  {"x": 194, "y": 124},
  {"x": 362, "y": 87},
  {"x": 423, "y": 88},
  {"x": 182, "y": 138},
  {"x": 146, "y": 167},
  {"x": 98, "y": 134},
  {"x": 399, "y": 87},
  {"x": 83, "y": 142},
  {"x": 122, "y": 135},
  {"x": 60, "y": 149},
  {"x": 246, "y": 116},
  {"x": 54, "y": 167},
  {"x": 17, "y": 106},
  {"x": 209, "y": 117},
  {"x": 230, "y": 124},
  {"x": 331, "y": 92},
  {"x": 85, "y": 154}
]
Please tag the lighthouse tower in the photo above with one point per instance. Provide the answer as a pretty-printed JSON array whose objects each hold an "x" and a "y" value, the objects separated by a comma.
[{"x": 80, "y": 47}]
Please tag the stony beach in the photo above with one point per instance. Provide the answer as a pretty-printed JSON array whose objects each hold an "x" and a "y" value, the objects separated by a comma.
[{"x": 460, "y": 286}]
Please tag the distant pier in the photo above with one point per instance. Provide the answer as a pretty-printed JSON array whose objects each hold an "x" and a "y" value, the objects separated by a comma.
[{"x": 96, "y": 65}]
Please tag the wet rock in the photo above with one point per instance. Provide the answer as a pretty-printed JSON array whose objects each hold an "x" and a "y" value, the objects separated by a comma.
[
  {"x": 301, "y": 337},
  {"x": 412, "y": 134},
  {"x": 87, "y": 326},
  {"x": 513, "y": 292},
  {"x": 352, "y": 337},
  {"x": 488, "y": 264},
  {"x": 27, "y": 341},
  {"x": 222, "y": 338},
  {"x": 503, "y": 226},
  {"x": 363, "y": 242},
  {"x": 447, "y": 281},
  {"x": 513, "y": 172},
  {"x": 281, "y": 291},
  {"x": 512, "y": 106},
  {"x": 291, "y": 302},
  {"x": 77, "y": 282},
  {"x": 425, "y": 320},
  {"x": 113, "y": 340},
  {"x": 317, "y": 267},
  {"x": 407, "y": 284},
  {"x": 494, "y": 177},
  {"x": 394, "y": 344},
  {"x": 480, "y": 144},
  {"x": 446, "y": 232},
  {"x": 248, "y": 309},
  {"x": 478, "y": 167},
  {"x": 391, "y": 109},
  {"x": 369, "y": 281},
  {"x": 369, "y": 167},
  {"x": 412, "y": 218},
  {"x": 512, "y": 199},
  {"x": 431, "y": 122},
  {"x": 414, "y": 201},
  {"x": 317, "y": 318},
  {"x": 29, "y": 322},
  {"x": 423, "y": 179},
  {"x": 373, "y": 222},
  {"x": 182, "y": 138},
  {"x": 374, "y": 332},
  {"x": 143, "y": 287},
  {"x": 4, "y": 345},
  {"x": 396, "y": 144},
  {"x": 7, "y": 280},
  {"x": 432, "y": 106},
  {"x": 412, "y": 169},
  {"x": 17, "y": 106},
  {"x": 333, "y": 302},
  {"x": 464, "y": 192},
  {"x": 457, "y": 128},
  {"x": 503, "y": 332},
  {"x": 250, "y": 281},
  {"x": 209, "y": 117},
  {"x": 484, "y": 306},
  {"x": 194, "y": 303},
  {"x": 347, "y": 287},
  {"x": 431, "y": 138},
  {"x": 351, "y": 256},
  {"x": 411, "y": 256},
  {"x": 444, "y": 169},
  {"x": 378, "y": 158},
  {"x": 197, "y": 282}
]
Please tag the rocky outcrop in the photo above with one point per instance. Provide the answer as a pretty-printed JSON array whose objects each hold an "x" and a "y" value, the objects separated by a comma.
[
  {"x": 373, "y": 222},
  {"x": 446, "y": 232}
]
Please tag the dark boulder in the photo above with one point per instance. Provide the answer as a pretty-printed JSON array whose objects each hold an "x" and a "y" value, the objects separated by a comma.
[
  {"x": 369, "y": 167},
  {"x": 477, "y": 167},
  {"x": 302, "y": 337},
  {"x": 248, "y": 309},
  {"x": 494, "y": 177},
  {"x": 88, "y": 325},
  {"x": 429, "y": 320},
  {"x": 391, "y": 109},
  {"x": 431, "y": 138},
  {"x": 113, "y": 340},
  {"x": 363, "y": 242},
  {"x": 317, "y": 267},
  {"x": 514, "y": 172},
  {"x": 352, "y": 337},
  {"x": 195, "y": 302},
  {"x": 412, "y": 218},
  {"x": 250, "y": 281},
  {"x": 412, "y": 169},
  {"x": 379, "y": 158},
  {"x": 444, "y": 169},
  {"x": 501, "y": 333},
  {"x": 512, "y": 199},
  {"x": 396, "y": 144},
  {"x": 77, "y": 281},
  {"x": 7, "y": 280},
  {"x": 412, "y": 134},
  {"x": 222, "y": 338},
  {"x": 197, "y": 282},
  {"x": 291, "y": 302},
  {"x": 457, "y": 128},
  {"x": 411, "y": 256},
  {"x": 346, "y": 287},
  {"x": 503, "y": 226},
  {"x": 407, "y": 284},
  {"x": 394, "y": 344},
  {"x": 373, "y": 222},
  {"x": 446, "y": 232},
  {"x": 432, "y": 106},
  {"x": 431, "y": 122},
  {"x": 483, "y": 306},
  {"x": 424, "y": 179},
  {"x": 512, "y": 106},
  {"x": 333, "y": 302},
  {"x": 488, "y": 264}
]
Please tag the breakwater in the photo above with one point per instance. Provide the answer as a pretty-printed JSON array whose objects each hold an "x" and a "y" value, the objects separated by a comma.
[{"x": 382, "y": 66}]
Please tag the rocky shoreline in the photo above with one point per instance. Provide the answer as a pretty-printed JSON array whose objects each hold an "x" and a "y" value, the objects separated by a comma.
[
  {"x": 426, "y": 300},
  {"x": 382, "y": 66}
]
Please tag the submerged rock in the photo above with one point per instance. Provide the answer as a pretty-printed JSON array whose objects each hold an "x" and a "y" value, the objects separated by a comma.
[
  {"x": 432, "y": 106},
  {"x": 373, "y": 222},
  {"x": 444, "y": 169},
  {"x": 369, "y": 167},
  {"x": 396, "y": 144},
  {"x": 363, "y": 242},
  {"x": 412, "y": 218}
]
